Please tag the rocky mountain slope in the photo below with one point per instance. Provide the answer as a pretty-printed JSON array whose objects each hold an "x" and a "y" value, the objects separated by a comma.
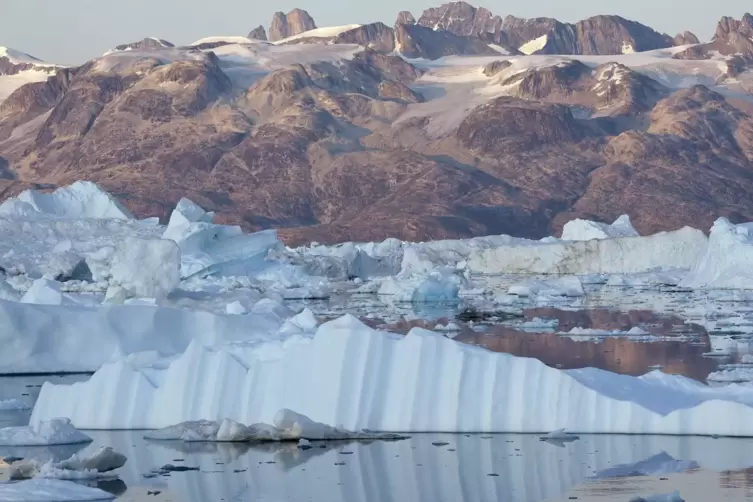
[{"x": 332, "y": 136}]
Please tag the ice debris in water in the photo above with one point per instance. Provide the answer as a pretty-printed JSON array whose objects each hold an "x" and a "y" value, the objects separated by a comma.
[
  {"x": 58, "y": 431},
  {"x": 98, "y": 464},
  {"x": 288, "y": 426}
]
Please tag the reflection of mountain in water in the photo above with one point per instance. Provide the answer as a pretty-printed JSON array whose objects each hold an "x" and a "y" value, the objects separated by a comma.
[
  {"x": 616, "y": 354},
  {"x": 528, "y": 469}
]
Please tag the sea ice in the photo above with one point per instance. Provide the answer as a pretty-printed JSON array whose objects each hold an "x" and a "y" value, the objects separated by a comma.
[
  {"x": 563, "y": 286},
  {"x": 288, "y": 426},
  {"x": 732, "y": 375},
  {"x": 55, "y": 431},
  {"x": 43, "y": 292},
  {"x": 98, "y": 464},
  {"x": 667, "y": 497},
  {"x": 13, "y": 405},
  {"x": 360, "y": 378},
  {"x": 50, "y": 490}
]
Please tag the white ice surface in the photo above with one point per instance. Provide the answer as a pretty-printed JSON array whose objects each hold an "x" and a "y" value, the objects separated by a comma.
[
  {"x": 732, "y": 375},
  {"x": 585, "y": 230},
  {"x": 534, "y": 45},
  {"x": 147, "y": 268},
  {"x": 50, "y": 338},
  {"x": 728, "y": 260},
  {"x": 13, "y": 405},
  {"x": 53, "y": 431},
  {"x": 324, "y": 32},
  {"x": 50, "y": 490},
  {"x": 359, "y": 378},
  {"x": 665, "y": 250},
  {"x": 82, "y": 199},
  {"x": 562, "y": 286}
]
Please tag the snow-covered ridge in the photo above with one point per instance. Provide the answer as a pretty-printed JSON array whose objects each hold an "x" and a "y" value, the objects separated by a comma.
[
  {"x": 359, "y": 378},
  {"x": 226, "y": 39},
  {"x": 324, "y": 32},
  {"x": 80, "y": 200},
  {"x": 18, "y": 57}
]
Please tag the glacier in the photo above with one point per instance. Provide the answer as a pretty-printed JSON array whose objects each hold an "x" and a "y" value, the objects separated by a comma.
[{"x": 359, "y": 378}]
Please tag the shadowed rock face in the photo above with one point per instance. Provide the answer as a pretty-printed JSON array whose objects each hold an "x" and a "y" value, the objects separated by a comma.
[
  {"x": 596, "y": 35},
  {"x": 416, "y": 41},
  {"x": 686, "y": 38},
  {"x": 732, "y": 37},
  {"x": 352, "y": 150},
  {"x": 405, "y": 17},
  {"x": 293, "y": 23},
  {"x": 258, "y": 33},
  {"x": 147, "y": 43}
]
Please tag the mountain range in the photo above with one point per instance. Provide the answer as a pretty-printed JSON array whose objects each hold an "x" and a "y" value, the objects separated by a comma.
[{"x": 454, "y": 124}]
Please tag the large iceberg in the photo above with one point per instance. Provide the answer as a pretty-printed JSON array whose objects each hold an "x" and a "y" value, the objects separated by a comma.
[
  {"x": 55, "y": 338},
  {"x": 586, "y": 230},
  {"x": 358, "y": 378},
  {"x": 81, "y": 200},
  {"x": 665, "y": 250},
  {"x": 147, "y": 268},
  {"x": 728, "y": 260}
]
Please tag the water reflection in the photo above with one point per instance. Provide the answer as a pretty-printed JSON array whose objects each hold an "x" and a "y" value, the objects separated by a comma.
[{"x": 504, "y": 467}]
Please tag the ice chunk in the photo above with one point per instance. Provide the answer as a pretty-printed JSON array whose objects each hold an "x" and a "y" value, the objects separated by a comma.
[
  {"x": 44, "y": 292},
  {"x": 210, "y": 249},
  {"x": 288, "y": 426},
  {"x": 559, "y": 435},
  {"x": 728, "y": 260},
  {"x": 732, "y": 375},
  {"x": 440, "y": 286},
  {"x": 50, "y": 490},
  {"x": 56, "y": 431},
  {"x": 563, "y": 286},
  {"x": 13, "y": 405},
  {"x": 359, "y": 378},
  {"x": 667, "y": 497},
  {"x": 235, "y": 308},
  {"x": 8, "y": 292},
  {"x": 82, "y": 199},
  {"x": 303, "y": 322},
  {"x": 586, "y": 230},
  {"x": 79, "y": 466},
  {"x": 148, "y": 268}
]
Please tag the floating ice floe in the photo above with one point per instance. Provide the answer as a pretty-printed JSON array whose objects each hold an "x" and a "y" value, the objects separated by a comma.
[
  {"x": 97, "y": 465},
  {"x": 559, "y": 435},
  {"x": 50, "y": 490},
  {"x": 564, "y": 286},
  {"x": 288, "y": 426},
  {"x": 440, "y": 286},
  {"x": 54, "y": 431},
  {"x": 360, "y": 378},
  {"x": 727, "y": 262},
  {"x": 731, "y": 375},
  {"x": 667, "y": 497},
  {"x": 586, "y": 230},
  {"x": 13, "y": 405}
]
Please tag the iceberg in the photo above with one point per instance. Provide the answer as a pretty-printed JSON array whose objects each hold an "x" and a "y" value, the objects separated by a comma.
[
  {"x": 55, "y": 431},
  {"x": 359, "y": 378},
  {"x": 80, "y": 200},
  {"x": 210, "y": 249},
  {"x": 586, "y": 230},
  {"x": 54, "y": 338},
  {"x": 50, "y": 490},
  {"x": 728, "y": 260},
  {"x": 621, "y": 255},
  {"x": 13, "y": 405}
]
